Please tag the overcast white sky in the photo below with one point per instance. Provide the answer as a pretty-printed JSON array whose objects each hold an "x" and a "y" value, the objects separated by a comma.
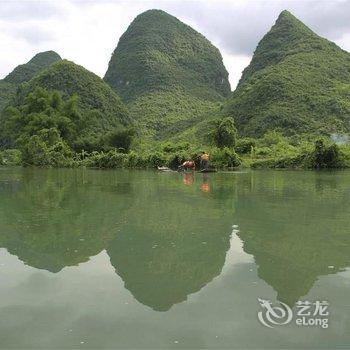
[{"x": 87, "y": 32}]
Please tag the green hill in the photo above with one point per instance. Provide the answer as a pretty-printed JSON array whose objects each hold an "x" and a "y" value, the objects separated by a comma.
[
  {"x": 98, "y": 110},
  {"x": 24, "y": 73},
  {"x": 94, "y": 94},
  {"x": 297, "y": 82},
  {"x": 166, "y": 72}
]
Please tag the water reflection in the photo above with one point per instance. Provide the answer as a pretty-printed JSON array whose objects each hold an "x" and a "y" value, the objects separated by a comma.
[
  {"x": 163, "y": 240},
  {"x": 166, "y": 240},
  {"x": 205, "y": 186},
  {"x": 188, "y": 179},
  {"x": 296, "y": 225},
  {"x": 52, "y": 219},
  {"x": 175, "y": 245}
]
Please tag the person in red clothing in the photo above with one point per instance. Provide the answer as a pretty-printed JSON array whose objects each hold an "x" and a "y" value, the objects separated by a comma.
[{"x": 188, "y": 165}]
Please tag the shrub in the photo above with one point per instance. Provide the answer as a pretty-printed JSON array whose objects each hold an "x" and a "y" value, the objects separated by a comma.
[
  {"x": 326, "y": 156},
  {"x": 177, "y": 159},
  {"x": 10, "y": 157},
  {"x": 244, "y": 146},
  {"x": 156, "y": 159},
  {"x": 296, "y": 161},
  {"x": 135, "y": 160},
  {"x": 114, "y": 159},
  {"x": 46, "y": 149},
  {"x": 120, "y": 139},
  {"x": 171, "y": 147},
  {"x": 87, "y": 143},
  {"x": 262, "y": 151},
  {"x": 272, "y": 138},
  {"x": 345, "y": 152},
  {"x": 225, "y": 157}
]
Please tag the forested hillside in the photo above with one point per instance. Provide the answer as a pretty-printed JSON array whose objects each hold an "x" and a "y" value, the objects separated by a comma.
[
  {"x": 166, "y": 72},
  {"x": 64, "y": 107},
  {"x": 297, "y": 82}
]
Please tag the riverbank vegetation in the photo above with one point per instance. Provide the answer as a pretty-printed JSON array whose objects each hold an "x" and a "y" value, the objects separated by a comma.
[
  {"x": 47, "y": 150},
  {"x": 48, "y": 130}
]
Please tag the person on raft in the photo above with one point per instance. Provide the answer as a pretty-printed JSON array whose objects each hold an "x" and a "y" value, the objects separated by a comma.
[
  {"x": 188, "y": 165},
  {"x": 204, "y": 161}
]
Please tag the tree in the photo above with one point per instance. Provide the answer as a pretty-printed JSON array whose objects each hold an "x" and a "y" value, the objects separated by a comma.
[
  {"x": 225, "y": 157},
  {"x": 120, "y": 139},
  {"x": 46, "y": 148},
  {"x": 41, "y": 110},
  {"x": 326, "y": 156},
  {"x": 224, "y": 133}
]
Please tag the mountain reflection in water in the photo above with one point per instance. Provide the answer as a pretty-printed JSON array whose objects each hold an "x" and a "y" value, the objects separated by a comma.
[{"x": 167, "y": 235}]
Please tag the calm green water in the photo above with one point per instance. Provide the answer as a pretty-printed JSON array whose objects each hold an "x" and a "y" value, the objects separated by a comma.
[{"x": 117, "y": 259}]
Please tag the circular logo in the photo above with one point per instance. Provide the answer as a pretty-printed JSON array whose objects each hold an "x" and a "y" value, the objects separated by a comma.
[{"x": 274, "y": 315}]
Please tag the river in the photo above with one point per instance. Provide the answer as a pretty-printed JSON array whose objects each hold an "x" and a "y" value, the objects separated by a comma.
[{"x": 141, "y": 259}]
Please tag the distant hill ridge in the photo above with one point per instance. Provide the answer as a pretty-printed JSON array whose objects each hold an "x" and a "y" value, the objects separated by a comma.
[
  {"x": 27, "y": 71},
  {"x": 24, "y": 73}
]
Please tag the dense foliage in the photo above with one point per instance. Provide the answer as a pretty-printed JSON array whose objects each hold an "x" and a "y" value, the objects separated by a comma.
[
  {"x": 94, "y": 94},
  {"x": 224, "y": 132},
  {"x": 120, "y": 139},
  {"x": 7, "y": 91},
  {"x": 153, "y": 158},
  {"x": 326, "y": 156},
  {"x": 167, "y": 71},
  {"x": 101, "y": 109},
  {"x": 277, "y": 151},
  {"x": 10, "y": 157},
  {"x": 162, "y": 115},
  {"x": 47, "y": 129},
  {"x": 43, "y": 127},
  {"x": 297, "y": 82}
]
